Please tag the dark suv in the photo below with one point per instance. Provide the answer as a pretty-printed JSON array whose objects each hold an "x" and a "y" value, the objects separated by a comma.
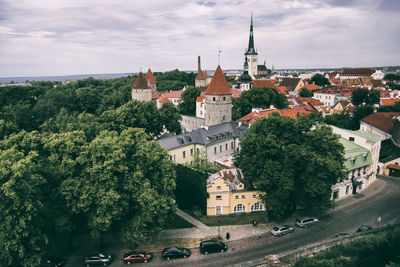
[
  {"x": 175, "y": 252},
  {"x": 210, "y": 246},
  {"x": 97, "y": 259}
]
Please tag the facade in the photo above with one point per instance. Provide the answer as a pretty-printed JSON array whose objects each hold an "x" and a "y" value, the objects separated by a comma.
[
  {"x": 358, "y": 170},
  {"x": 140, "y": 89},
  {"x": 217, "y": 141},
  {"x": 230, "y": 194},
  {"x": 340, "y": 106}
]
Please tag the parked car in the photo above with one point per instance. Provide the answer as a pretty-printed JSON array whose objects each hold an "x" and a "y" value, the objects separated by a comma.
[
  {"x": 306, "y": 221},
  {"x": 97, "y": 259},
  {"x": 137, "y": 256},
  {"x": 210, "y": 246},
  {"x": 281, "y": 230},
  {"x": 364, "y": 228},
  {"x": 175, "y": 252}
]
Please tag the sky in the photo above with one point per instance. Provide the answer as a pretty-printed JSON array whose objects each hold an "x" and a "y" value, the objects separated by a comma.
[{"x": 65, "y": 37}]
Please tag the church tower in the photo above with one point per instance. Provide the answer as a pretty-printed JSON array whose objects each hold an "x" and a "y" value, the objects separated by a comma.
[
  {"x": 141, "y": 89},
  {"x": 251, "y": 54},
  {"x": 218, "y": 100}
]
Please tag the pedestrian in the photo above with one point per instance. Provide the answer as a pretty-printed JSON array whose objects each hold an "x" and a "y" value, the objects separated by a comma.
[
  {"x": 254, "y": 223},
  {"x": 379, "y": 220},
  {"x": 228, "y": 235}
]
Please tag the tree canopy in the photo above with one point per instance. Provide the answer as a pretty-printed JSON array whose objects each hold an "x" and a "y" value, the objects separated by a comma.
[
  {"x": 257, "y": 97},
  {"x": 319, "y": 80},
  {"x": 187, "y": 106},
  {"x": 306, "y": 93},
  {"x": 294, "y": 161},
  {"x": 365, "y": 96}
]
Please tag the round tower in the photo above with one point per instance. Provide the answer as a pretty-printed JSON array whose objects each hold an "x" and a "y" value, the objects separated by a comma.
[{"x": 218, "y": 100}]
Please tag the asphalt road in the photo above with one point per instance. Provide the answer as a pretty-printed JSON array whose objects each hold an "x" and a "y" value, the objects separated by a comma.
[{"x": 346, "y": 218}]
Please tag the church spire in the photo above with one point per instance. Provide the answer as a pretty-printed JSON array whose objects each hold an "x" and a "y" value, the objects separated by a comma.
[{"x": 251, "y": 50}]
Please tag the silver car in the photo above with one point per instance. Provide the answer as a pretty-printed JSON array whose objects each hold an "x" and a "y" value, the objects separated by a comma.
[
  {"x": 281, "y": 230},
  {"x": 306, "y": 221}
]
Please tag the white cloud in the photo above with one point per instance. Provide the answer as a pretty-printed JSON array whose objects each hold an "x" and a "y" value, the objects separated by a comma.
[{"x": 39, "y": 37}]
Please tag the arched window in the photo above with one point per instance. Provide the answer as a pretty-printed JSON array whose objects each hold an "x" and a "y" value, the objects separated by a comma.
[
  {"x": 257, "y": 207},
  {"x": 239, "y": 208}
]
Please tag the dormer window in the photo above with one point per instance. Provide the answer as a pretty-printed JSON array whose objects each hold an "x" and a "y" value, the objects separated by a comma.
[
  {"x": 218, "y": 187},
  {"x": 351, "y": 139}
]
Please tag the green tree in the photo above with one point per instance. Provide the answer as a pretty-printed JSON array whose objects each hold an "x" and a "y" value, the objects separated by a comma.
[
  {"x": 343, "y": 120},
  {"x": 191, "y": 190},
  {"x": 201, "y": 163},
  {"x": 392, "y": 77},
  {"x": 365, "y": 96},
  {"x": 170, "y": 118},
  {"x": 361, "y": 112},
  {"x": 124, "y": 179},
  {"x": 393, "y": 108},
  {"x": 319, "y": 80},
  {"x": 258, "y": 97},
  {"x": 294, "y": 161},
  {"x": 187, "y": 106},
  {"x": 306, "y": 93}
]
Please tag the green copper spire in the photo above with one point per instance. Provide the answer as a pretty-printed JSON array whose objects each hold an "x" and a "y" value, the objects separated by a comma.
[{"x": 251, "y": 50}]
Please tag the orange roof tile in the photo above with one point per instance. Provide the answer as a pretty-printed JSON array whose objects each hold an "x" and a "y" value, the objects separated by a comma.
[
  {"x": 288, "y": 112},
  {"x": 141, "y": 82},
  {"x": 283, "y": 89},
  {"x": 389, "y": 101},
  {"x": 164, "y": 99},
  {"x": 150, "y": 77},
  {"x": 173, "y": 94},
  {"x": 264, "y": 83},
  {"x": 311, "y": 87},
  {"x": 218, "y": 84},
  {"x": 200, "y": 99}
]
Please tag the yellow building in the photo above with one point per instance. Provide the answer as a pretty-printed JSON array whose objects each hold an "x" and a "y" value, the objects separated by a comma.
[{"x": 230, "y": 194}]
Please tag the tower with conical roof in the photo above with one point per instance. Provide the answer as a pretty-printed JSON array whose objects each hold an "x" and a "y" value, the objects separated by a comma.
[
  {"x": 251, "y": 53},
  {"x": 245, "y": 80},
  {"x": 218, "y": 100},
  {"x": 141, "y": 89},
  {"x": 151, "y": 80}
]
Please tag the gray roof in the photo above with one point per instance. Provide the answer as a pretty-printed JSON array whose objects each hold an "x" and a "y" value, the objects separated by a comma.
[
  {"x": 232, "y": 178},
  {"x": 214, "y": 134}
]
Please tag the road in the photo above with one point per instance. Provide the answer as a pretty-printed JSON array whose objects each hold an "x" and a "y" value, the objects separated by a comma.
[{"x": 346, "y": 218}]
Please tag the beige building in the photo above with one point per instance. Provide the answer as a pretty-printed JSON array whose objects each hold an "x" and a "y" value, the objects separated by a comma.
[{"x": 229, "y": 193}]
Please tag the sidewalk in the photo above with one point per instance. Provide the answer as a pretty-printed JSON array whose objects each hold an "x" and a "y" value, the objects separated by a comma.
[{"x": 238, "y": 232}]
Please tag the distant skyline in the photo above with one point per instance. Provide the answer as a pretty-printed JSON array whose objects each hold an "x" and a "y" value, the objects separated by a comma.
[{"x": 67, "y": 37}]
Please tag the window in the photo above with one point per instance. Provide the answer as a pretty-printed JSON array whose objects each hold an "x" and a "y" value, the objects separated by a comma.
[
  {"x": 224, "y": 98},
  {"x": 351, "y": 139},
  {"x": 198, "y": 150},
  {"x": 226, "y": 146},
  {"x": 254, "y": 195},
  {"x": 335, "y": 195},
  {"x": 220, "y": 148},
  {"x": 218, "y": 210},
  {"x": 184, "y": 154},
  {"x": 170, "y": 158},
  {"x": 218, "y": 187},
  {"x": 239, "y": 208},
  {"x": 218, "y": 197},
  {"x": 215, "y": 150},
  {"x": 191, "y": 151},
  {"x": 243, "y": 196},
  {"x": 236, "y": 197},
  {"x": 213, "y": 98},
  {"x": 232, "y": 145},
  {"x": 257, "y": 207},
  {"x": 347, "y": 189}
]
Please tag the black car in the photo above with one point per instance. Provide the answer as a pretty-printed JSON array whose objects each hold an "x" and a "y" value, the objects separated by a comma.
[
  {"x": 97, "y": 259},
  {"x": 210, "y": 246},
  {"x": 175, "y": 252}
]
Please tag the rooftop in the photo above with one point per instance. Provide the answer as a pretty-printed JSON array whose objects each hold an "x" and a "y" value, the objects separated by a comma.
[
  {"x": 218, "y": 84},
  {"x": 355, "y": 156}
]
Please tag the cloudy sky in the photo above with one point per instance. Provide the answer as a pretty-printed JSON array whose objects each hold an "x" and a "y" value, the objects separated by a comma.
[{"x": 61, "y": 37}]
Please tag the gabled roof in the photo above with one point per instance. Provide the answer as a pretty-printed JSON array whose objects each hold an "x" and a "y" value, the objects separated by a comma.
[
  {"x": 150, "y": 77},
  {"x": 382, "y": 120},
  {"x": 389, "y": 101},
  {"x": 357, "y": 72},
  {"x": 314, "y": 102},
  {"x": 311, "y": 87},
  {"x": 288, "y": 112},
  {"x": 218, "y": 84},
  {"x": 231, "y": 177},
  {"x": 355, "y": 155},
  {"x": 290, "y": 83},
  {"x": 264, "y": 83},
  {"x": 141, "y": 82},
  {"x": 164, "y": 99}
]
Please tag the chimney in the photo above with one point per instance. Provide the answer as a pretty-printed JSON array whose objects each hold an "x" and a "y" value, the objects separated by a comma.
[{"x": 198, "y": 64}]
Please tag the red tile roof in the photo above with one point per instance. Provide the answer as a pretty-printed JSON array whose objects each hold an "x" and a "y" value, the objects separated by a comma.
[
  {"x": 312, "y": 101},
  {"x": 200, "y": 99},
  {"x": 164, "y": 99},
  {"x": 173, "y": 94},
  {"x": 288, "y": 112},
  {"x": 389, "y": 101},
  {"x": 264, "y": 83},
  {"x": 282, "y": 89},
  {"x": 311, "y": 87},
  {"x": 393, "y": 166},
  {"x": 381, "y": 120},
  {"x": 141, "y": 82},
  {"x": 357, "y": 72},
  {"x": 218, "y": 84},
  {"x": 236, "y": 93},
  {"x": 202, "y": 75},
  {"x": 150, "y": 77}
]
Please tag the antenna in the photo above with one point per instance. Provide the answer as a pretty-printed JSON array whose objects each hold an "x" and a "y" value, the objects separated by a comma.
[{"x": 219, "y": 56}]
